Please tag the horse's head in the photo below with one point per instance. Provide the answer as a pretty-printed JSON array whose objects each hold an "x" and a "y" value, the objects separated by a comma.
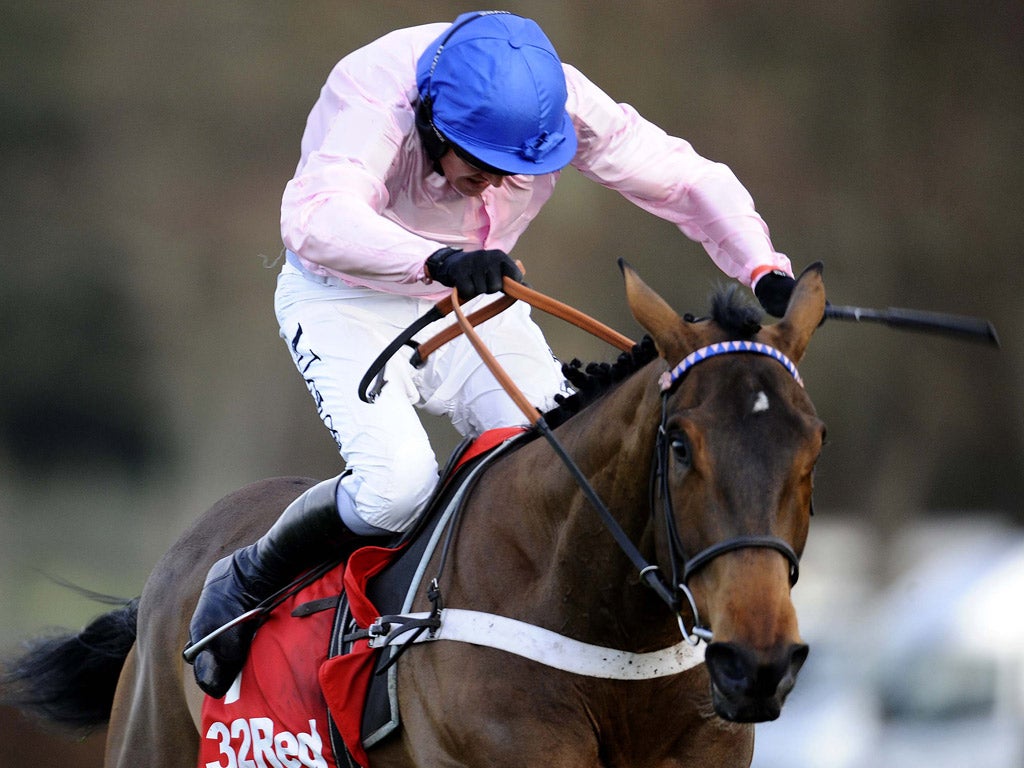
[{"x": 740, "y": 441}]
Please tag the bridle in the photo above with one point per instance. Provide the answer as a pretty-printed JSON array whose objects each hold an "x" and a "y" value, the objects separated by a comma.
[
  {"x": 682, "y": 566},
  {"x": 675, "y": 591}
]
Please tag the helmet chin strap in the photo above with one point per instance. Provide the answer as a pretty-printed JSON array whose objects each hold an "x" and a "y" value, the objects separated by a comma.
[{"x": 434, "y": 143}]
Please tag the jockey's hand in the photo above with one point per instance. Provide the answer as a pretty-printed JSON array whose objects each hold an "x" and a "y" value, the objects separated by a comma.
[
  {"x": 472, "y": 272},
  {"x": 773, "y": 290}
]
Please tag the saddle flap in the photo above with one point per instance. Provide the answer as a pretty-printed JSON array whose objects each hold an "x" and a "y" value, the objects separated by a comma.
[{"x": 254, "y": 721}]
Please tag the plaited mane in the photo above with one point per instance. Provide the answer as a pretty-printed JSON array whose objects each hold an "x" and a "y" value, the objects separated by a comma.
[{"x": 594, "y": 379}]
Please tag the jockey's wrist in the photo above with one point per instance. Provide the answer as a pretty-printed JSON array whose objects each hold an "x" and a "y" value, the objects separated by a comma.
[
  {"x": 432, "y": 266},
  {"x": 761, "y": 271}
]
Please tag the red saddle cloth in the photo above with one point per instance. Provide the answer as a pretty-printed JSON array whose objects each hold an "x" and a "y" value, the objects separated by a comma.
[{"x": 275, "y": 716}]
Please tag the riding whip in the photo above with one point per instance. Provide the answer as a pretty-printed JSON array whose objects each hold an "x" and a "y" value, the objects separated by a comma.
[{"x": 959, "y": 326}]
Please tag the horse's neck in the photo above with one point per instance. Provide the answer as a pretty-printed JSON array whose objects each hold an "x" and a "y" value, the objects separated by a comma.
[
  {"x": 612, "y": 441},
  {"x": 550, "y": 553}
]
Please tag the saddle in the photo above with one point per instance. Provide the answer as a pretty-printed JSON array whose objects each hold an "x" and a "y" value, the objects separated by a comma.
[{"x": 319, "y": 687}]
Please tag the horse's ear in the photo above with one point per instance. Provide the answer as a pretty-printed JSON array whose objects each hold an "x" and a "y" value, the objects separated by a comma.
[
  {"x": 670, "y": 334},
  {"x": 803, "y": 316}
]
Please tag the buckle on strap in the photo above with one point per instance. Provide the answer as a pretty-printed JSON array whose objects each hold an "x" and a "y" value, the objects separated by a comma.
[{"x": 387, "y": 629}]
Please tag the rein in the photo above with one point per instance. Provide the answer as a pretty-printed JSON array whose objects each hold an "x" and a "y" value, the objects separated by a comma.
[
  {"x": 513, "y": 292},
  {"x": 672, "y": 592}
]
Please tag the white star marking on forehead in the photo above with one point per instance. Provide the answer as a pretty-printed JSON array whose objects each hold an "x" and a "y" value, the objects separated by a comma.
[{"x": 760, "y": 403}]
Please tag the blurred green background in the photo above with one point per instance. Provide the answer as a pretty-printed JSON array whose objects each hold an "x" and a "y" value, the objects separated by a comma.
[{"x": 145, "y": 147}]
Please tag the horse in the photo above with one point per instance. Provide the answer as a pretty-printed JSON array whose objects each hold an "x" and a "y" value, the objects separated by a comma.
[{"x": 706, "y": 467}]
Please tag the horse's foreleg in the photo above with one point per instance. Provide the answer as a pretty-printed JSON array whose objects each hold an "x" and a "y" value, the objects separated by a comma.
[{"x": 473, "y": 707}]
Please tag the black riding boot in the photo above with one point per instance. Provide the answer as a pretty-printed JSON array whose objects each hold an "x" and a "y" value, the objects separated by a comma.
[{"x": 310, "y": 532}]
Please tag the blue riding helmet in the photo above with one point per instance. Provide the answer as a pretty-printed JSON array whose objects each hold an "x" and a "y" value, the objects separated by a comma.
[{"x": 493, "y": 86}]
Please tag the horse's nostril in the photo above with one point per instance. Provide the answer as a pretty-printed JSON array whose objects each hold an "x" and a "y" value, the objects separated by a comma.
[
  {"x": 728, "y": 664},
  {"x": 738, "y": 671}
]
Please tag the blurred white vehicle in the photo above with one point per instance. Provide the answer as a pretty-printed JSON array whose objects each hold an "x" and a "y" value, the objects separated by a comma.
[{"x": 951, "y": 670}]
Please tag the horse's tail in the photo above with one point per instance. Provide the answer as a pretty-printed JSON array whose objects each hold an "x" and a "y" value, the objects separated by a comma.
[{"x": 70, "y": 679}]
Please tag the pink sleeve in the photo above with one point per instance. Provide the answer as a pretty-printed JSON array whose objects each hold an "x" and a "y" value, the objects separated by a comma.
[
  {"x": 331, "y": 211},
  {"x": 664, "y": 175}
]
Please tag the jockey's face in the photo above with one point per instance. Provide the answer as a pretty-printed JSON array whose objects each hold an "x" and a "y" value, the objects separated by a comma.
[{"x": 468, "y": 180}]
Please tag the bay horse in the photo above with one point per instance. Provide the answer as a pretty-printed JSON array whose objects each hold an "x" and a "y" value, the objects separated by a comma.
[{"x": 706, "y": 466}]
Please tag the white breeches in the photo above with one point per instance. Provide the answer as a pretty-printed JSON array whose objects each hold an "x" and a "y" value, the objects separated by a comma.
[{"x": 334, "y": 332}]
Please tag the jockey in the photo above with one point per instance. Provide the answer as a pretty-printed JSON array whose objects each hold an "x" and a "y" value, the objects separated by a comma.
[{"x": 426, "y": 156}]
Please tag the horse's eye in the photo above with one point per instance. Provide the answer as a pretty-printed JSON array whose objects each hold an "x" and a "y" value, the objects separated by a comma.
[{"x": 680, "y": 446}]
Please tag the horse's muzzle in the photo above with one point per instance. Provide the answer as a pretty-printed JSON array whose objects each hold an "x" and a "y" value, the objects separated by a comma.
[{"x": 750, "y": 687}]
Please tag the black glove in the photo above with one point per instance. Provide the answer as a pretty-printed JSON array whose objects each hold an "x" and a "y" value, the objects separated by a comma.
[
  {"x": 773, "y": 291},
  {"x": 471, "y": 272}
]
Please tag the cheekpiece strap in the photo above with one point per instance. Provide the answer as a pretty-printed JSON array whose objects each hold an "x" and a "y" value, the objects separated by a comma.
[{"x": 670, "y": 377}]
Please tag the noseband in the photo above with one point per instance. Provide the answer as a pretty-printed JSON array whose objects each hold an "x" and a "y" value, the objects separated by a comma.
[{"x": 684, "y": 567}]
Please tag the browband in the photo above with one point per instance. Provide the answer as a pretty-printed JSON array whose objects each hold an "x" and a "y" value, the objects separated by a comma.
[{"x": 670, "y": 377}]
